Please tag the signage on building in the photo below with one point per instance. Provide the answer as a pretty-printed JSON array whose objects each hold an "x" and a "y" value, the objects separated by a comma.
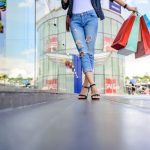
[
  {"x": 115, "y": 7},
  {"x": 110, "y": 86},
  {"x": 52, "y": 85},
  {"x": 52, "y": 44}
]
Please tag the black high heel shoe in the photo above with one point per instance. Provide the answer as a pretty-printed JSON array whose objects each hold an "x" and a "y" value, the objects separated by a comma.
[
  {"x": 95, "y": 96},
  {"x": 84, "y": 97}
]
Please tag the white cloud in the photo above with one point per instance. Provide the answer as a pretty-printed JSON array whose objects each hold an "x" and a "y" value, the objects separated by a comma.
[
  {"x": 14, "y": 67},
  {"x": 16, "y": 72},
  {"x": 28, "y": 53},
  {"x": 26, "y": 3},
  {"x": 137, "y": 67}
]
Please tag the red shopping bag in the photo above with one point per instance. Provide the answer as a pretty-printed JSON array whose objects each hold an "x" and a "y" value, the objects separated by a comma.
[
  {"x": 143, "y": 47},
  {"x": 123, "y": 34}
]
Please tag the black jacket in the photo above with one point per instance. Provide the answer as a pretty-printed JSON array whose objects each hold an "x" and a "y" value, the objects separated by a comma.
[{"x": 95, "y": 3}]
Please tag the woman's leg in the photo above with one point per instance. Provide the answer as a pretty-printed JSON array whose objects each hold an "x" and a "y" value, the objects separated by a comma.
[
  {"x": 90, "y": 78},
  {"x": 85, "y": 84},
  {"x": 84, "y": 37},
  {"x": 78, "y": 34},
  {"x": 91, "y": 33}
]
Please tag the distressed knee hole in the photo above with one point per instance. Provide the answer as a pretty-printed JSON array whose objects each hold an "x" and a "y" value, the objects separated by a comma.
[
  {"x": 82, "y": 54},
  {"x": 79, "y": 44},
  {"x": 88, "y": 39}
]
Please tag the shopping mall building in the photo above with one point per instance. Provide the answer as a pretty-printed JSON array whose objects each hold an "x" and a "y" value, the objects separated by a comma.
[{"x": 55, "y": 47}]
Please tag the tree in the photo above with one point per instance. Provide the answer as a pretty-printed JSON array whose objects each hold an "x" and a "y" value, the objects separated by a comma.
[
  {"x": 145, "y": 79},
  {"x": 127, "y": 78},
  {"x": 3, "y": 77}
]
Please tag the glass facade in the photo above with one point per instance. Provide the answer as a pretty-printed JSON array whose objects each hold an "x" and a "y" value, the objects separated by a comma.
[{"x": 53, "y": 40}]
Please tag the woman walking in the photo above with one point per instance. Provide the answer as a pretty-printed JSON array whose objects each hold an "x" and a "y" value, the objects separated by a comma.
[{"x": 83, "y": 22}]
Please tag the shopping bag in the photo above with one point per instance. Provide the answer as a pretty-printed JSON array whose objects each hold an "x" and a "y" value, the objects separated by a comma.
[
  {"x": 123, "y": 34},
  {"x": 131, "y": 46},
  {"x": 143, "y": 47},
  {"x": 147, "y": 21}
]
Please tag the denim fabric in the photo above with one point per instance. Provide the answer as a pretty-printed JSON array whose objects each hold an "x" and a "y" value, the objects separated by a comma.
[{"x": 84, "y": 31}]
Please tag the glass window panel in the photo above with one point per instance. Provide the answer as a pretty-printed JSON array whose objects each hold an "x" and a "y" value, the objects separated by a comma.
[
  {"x": 44, "y": 45},
  {"x": 99, "y": 79},
  {"x": 46, "y": 29},
  {"x": 99, "y": 41},
  {"x": 69, "y": 83},
  {"x": 62, "y": 83},
  {"x": 108, "y": 67},
  {"x": 54, "y": 68},
  {"x": 99, "y": 69},
  {"x": 100, "y": 26},
  {"x": 119, "y": 26},
  {"x": 107, "y": 25},
  {"x": 69, "y": 41},
  {"x": 46, "y": 66},
  {"x": 115, "y": 66},
  {"x": 114, "y": 27},
  {"x": 40, "y": 50},
  {"x": 50, "y": 66},
  {"x": 53, "y": 26},
  {"x": 42, "y": 31},
  {"x": 121, "y": 67},
  {"x": 61, "y": 24},
  {"x": 61, "y": 41},
  {"x": 121, "y": 85},
  {"x": 62, "y": 78},
  {"x": 41, "y": 67}
]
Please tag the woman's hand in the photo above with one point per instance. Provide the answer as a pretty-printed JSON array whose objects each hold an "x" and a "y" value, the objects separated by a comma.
[
  {"x": 65, "y": 1},
  {"x": 134, "y": 9},
  {"x": 129, "y": 8}
]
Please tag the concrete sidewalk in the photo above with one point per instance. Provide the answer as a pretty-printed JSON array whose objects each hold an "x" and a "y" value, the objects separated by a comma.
[
  {"x": 11, "y": 99},
  {"x": 70, "y": 124}
]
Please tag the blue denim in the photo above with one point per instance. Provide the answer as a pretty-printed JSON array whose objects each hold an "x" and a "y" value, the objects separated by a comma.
[{"x": 84, "y": 31}]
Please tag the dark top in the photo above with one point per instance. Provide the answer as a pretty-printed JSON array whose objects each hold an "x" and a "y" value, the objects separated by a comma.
[{"x": 95, "y": 3}]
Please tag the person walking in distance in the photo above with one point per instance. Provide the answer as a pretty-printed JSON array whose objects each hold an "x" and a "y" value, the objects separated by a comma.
[{"x": 82, "y": 18}]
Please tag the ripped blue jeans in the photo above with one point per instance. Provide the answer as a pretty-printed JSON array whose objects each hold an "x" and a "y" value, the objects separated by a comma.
[{"x": 84, "y": 31}]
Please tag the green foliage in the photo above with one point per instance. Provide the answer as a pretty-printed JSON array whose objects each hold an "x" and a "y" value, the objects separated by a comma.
[
  {"x": 143, "y": 79},
  {"x": 127, "y": 78},
  {"x": 18, "y": 80}
]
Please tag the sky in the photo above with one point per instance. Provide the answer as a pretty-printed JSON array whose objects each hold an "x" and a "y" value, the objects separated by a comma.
[{"x": 20, "y": 40}]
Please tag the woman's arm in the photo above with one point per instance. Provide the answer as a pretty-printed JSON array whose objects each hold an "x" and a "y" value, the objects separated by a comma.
[
  {"x": 65, "y": 4},
  {"x": 123, "y": 4}
]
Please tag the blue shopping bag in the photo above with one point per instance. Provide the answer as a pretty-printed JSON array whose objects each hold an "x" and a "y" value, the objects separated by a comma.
[
  {"x": 131, "y": 46},
  {"x": 147, "y": 21}
]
